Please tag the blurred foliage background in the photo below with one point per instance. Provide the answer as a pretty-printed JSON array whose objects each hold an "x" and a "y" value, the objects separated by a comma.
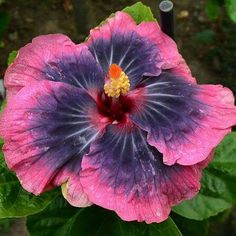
[{"x": 205, "y": 34}]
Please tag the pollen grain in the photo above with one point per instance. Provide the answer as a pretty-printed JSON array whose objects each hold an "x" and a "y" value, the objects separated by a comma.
[{"x": 118, "y": 83}]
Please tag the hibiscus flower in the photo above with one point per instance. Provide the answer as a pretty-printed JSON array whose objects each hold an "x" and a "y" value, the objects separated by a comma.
[{"x": 118, "y": 121}]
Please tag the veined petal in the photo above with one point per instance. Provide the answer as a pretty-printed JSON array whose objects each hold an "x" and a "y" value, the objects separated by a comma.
[
  {"x": 47, "y": 128},
  {"x": 183, "y": 70},
  {"x": 168, "y": 50},
  {"x": 124, "y": 173},
  {"x": 184, "y": 121},
  {"x": 118, "y": 42},
  {"x": 122, "y": 21},
  {"x": 56, "y": 58}
]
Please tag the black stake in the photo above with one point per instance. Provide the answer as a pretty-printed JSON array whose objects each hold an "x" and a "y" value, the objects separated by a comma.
[{"x": 167, "y": 18}]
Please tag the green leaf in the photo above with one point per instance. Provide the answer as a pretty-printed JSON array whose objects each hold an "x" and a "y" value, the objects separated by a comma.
[
  {"x": 11, "y": 57},
  {"x": 59, "y": 218},
  {"x": 213, "y": 9},
  {"x": 5, "y": 225},
  {"x": 191, "y": 227},
  {"x": 2, "y": 107},
  {"x": 218, "y": 191},
  {"x": 231, "y": 9},
  {"x": 201, "y": 207},
  {"x": 140, "y": 12},
  {"x": 14, "y": 200}
]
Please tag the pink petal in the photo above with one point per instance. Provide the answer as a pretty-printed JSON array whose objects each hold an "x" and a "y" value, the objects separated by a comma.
[
  {"x": 56, "y": 58},
  {"x": 168, "y": 48},
  {"x": 121, "y": 21},
  {"x": 184, "y": 121},
  {"x": 125, "y": 174},
  {"x": 216, "y": 124},
  {"x": 47, "y": 128}
]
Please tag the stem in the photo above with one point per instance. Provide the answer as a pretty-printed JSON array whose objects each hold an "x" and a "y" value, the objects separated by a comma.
[{"x": 167, "y": 18}]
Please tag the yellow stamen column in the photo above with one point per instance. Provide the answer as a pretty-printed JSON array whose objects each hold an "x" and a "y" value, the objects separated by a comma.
[{"x": 117, "y": 86}]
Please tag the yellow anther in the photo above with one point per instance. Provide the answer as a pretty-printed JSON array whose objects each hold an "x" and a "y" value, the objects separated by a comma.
[{"x": 118, "y": 84}]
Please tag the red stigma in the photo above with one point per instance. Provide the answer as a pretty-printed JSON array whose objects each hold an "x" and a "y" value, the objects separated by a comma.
[{"x": 115, "y": 71}]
